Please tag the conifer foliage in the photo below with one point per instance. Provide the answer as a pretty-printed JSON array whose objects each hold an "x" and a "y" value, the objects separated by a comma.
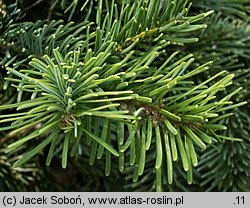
[{"x": 141, "y": 89}]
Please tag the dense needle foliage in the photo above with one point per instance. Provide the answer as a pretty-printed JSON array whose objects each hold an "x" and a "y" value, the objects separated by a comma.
[{"x": 152, "y": 93}]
